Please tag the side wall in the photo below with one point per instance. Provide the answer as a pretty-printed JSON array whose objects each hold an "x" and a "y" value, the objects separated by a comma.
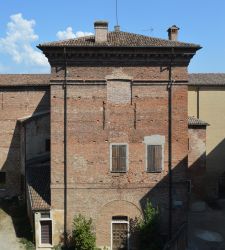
[
  {"x": 197, "y": 158},
  {"x": 211, "y": 110},
  {"x": 16, "y": 103}
]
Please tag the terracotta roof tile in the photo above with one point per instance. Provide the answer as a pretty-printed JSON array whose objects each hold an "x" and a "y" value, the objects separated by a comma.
[
  {"x": 193, "y": 121},
  {"x": 119, "y": 39},
  {"x": 38, "y": 181},
  {"x": 207, "y": 79},
  {"x": 24, "y": 79}
]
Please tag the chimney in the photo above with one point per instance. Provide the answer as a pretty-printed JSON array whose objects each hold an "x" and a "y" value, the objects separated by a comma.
[
  {"x": 101, "y": 31},
  {"x": 173, "y": 33}
]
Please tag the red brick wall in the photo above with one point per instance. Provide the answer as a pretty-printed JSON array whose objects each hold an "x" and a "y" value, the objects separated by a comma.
[
  {"x": 197, "y": 158},
  {"x": 16, "y": 104},
  {"x": 137, "y": 73},
  {"x": 91, "y": 185}
]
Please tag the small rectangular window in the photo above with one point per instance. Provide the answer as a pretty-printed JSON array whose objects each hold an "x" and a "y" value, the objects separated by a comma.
[
  {"x": 46, "y": 232},
  {"x": 154, "y": 158},
  {"x": 2, "y": 178},
  {"x": 45, "y": 215},
  {"x": 119, "y": 158}
]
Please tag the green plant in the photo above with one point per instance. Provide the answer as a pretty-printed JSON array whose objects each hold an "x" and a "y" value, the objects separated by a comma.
[
  {"x": 148, "y": 229},
  {"x": 82, "y": 233},
  {"x": 27, "y": 244}
]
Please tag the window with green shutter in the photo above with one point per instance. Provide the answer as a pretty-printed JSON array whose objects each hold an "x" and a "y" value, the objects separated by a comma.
[
  {"x": 118, "y": 158},
  {"x": 154, "y": 158}
]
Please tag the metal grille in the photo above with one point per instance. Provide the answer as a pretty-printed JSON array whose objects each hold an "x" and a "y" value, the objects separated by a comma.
[
  {"x": 154, "y": 158},
  {"x": 119, "y": 236}
]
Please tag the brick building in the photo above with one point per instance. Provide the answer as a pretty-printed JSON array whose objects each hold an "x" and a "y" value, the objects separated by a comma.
[{"x": 103, "y": 133}]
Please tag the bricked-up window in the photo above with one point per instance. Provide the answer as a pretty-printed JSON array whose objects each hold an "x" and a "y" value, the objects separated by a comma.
[
  {"x": 2, "y": 178},
  {"x": 119, "y": 158},
  {"x": 46, "y": 232},
  {"x": 154, "y": 158}
]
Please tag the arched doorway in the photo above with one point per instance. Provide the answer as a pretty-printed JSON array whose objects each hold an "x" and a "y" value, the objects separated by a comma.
[{"x": 112, "y": 225}]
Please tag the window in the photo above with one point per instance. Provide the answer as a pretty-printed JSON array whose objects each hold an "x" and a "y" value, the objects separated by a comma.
[
  {"x": 2, "y": 179},
  {"x": 46, "y": 232},
  {"x": 45, "y": 215},
  {"x": 118, "y": 158},
  {"x": 154, "y": 158},
  {"x": 154, "y": 145}
]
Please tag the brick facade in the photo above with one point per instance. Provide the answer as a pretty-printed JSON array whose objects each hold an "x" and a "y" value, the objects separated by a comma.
[
  {"x": 16, "y": 103},
  {"x": 140, "y": 110},
  {"x": 197, "y": 158}
]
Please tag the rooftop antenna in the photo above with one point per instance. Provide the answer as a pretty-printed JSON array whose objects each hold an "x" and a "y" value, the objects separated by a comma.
[
  {"x": 117, "y": 27},
  {"x": 117, "y": 22}
]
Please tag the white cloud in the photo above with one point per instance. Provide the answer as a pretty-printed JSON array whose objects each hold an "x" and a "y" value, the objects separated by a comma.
[
  {"x": 68, "y": 34},
  {"x": 18, "y": 42}
]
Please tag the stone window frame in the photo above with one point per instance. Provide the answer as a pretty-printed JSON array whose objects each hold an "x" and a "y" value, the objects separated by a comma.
[
  {"x": 127, "y": 157},
  {"x": 128, "y": 233},
  {"x": 43, "y": 245},
  {"x": 154, "y": 140}
]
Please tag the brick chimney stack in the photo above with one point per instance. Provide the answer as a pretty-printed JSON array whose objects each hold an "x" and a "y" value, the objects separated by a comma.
[
  {"x": 173, "y": 33},
  {"x": 101, "y": 31}
]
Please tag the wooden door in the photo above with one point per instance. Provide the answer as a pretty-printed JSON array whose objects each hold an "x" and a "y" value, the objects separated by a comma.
[
  {"x": 120, "y": 236},
  {"x": 46, "y": 232}
]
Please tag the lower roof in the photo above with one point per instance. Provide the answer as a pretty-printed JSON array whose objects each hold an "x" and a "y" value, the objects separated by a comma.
[
  {"x": 196, "y": 79},
  {"x": 38, "y": 183},
  {"x": 24, "y": 79},
  {"x": 193, "y": 121},
  {"x": 207, "y": 79}
]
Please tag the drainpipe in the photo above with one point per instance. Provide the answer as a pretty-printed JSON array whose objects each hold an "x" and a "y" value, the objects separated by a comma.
[
  {"x": 65, "y": 149},
  {"x": 170, "y": 108},
  {"x": 198, "y": 102}
]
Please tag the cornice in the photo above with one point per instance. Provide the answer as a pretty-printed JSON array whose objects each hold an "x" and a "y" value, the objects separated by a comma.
[{"x": 126, "y": 57}]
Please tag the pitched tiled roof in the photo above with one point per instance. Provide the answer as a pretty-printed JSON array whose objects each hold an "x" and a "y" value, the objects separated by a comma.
[
  {"x": 38, "y": 182},
  {"x": 24, "y": 79},
  {"x": 192, "y": 121},
  {"x": 34, "y": 116},
  {"x": 207, "y": 79},
  {"x": 119, "y": 39}
]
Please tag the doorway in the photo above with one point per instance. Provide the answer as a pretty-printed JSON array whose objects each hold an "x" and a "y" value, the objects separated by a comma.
[{"x": 119, "y": 235}]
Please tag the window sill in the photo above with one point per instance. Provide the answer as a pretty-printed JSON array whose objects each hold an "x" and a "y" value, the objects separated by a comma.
[
  {"x": 45, "y": 245},
  {"x": 118, "y": 172},
  {"x": 154, "y": 172}
]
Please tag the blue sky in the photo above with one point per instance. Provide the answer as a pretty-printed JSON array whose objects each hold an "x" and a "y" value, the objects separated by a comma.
[{"x": 26, "y": 23}]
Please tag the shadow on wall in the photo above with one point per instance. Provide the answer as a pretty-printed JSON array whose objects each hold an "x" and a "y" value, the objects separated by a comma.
[
  {"x": 215, "y": 168},
  {"x": 209, "y": 183},
  {"x": 13, "y": 165},
  {"x": 159, "y": 197}
]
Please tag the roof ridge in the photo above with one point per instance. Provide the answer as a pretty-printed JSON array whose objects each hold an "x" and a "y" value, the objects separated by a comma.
[{"x": 119, "y": 39}]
